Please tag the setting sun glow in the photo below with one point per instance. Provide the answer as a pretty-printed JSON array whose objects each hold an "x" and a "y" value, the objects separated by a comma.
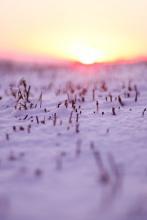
[
  {"x": 87, "y": 55},
  {"x": 77, "y": 30}
]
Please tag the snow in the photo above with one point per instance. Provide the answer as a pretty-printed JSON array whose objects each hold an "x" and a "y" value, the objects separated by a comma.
[{"x": 60, "y": 166}]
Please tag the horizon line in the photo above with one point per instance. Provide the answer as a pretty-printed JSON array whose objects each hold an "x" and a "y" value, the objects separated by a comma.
[{"x": 17, "y": 57}]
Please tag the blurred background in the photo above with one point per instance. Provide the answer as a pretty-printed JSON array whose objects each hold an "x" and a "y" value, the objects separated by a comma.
[{"x": 87, "y": 31}]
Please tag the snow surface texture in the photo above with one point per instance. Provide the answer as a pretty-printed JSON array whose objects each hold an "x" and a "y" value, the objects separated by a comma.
[{"x": 73, "y": 145}]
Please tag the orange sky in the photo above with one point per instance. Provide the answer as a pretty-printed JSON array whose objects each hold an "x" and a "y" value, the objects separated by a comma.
[{"x": 83, "y": 30}]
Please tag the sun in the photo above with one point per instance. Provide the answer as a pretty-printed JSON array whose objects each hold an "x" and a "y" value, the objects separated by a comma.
[{"x": 87, "y": 55}]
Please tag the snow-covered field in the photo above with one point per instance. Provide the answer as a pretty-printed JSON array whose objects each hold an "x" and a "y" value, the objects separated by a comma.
[{"x": 73, "y": 144}]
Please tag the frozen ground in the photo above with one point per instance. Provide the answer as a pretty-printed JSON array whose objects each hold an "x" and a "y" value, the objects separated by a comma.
[{"x": 73, "y": 145}]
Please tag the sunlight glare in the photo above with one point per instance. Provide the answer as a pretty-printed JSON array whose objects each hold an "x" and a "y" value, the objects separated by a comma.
[{"x": 87, "y": 55}]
